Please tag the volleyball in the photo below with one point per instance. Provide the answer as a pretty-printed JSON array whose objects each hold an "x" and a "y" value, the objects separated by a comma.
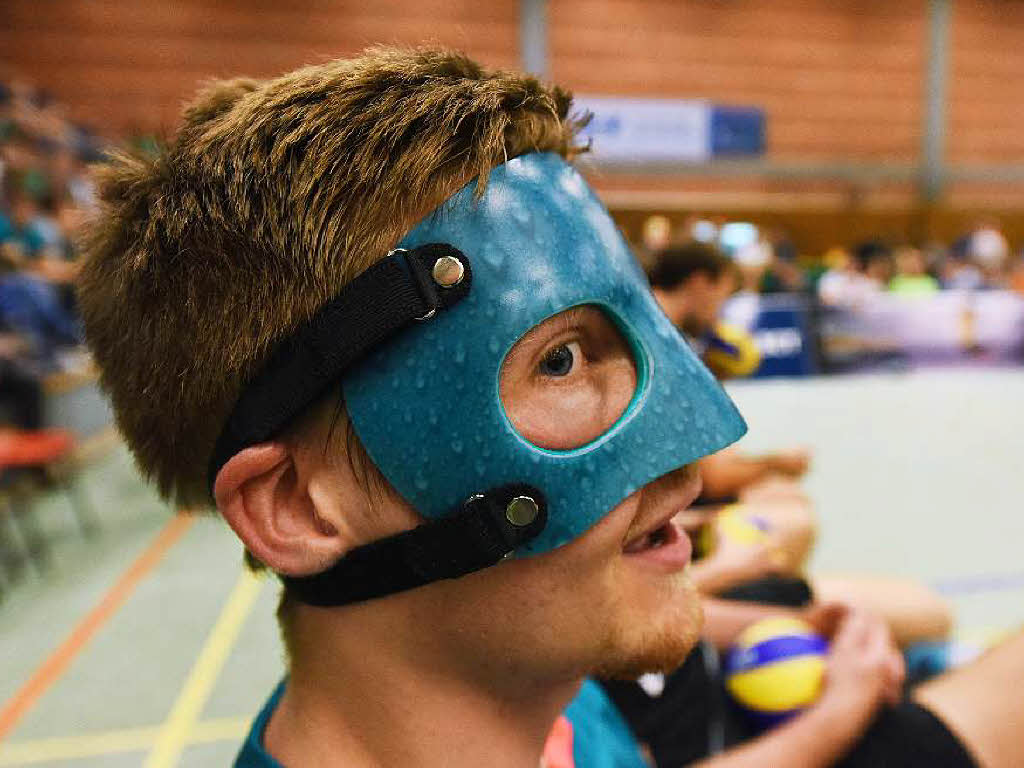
[{"x": 776, "y": 669}]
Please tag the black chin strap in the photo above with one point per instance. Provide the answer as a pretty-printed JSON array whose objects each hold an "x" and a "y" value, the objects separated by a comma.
[{"x": 487, "y": 528}]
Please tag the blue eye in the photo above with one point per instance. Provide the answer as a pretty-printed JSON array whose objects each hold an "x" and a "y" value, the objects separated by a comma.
[{"x": 558, "y": 361}]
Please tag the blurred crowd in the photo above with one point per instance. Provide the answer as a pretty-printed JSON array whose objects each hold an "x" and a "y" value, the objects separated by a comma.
[
  {"x": 769, "y": 262},
  {"x": 45, "y": 193}
]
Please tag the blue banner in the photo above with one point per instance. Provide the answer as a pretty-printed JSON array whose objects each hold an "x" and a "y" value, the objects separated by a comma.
[
  {"x": 781, "y": 327},
  {"x": 634, "y": 130}
]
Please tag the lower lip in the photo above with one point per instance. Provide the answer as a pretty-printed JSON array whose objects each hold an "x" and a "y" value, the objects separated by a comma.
[{"x": 673, "y": 554}]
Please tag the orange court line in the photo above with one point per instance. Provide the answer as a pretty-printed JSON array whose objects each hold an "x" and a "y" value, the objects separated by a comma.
[{"x": 55, "y": 665}]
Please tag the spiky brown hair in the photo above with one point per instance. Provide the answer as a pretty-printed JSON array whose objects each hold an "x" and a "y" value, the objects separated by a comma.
[{"x": 273, "y": 195}]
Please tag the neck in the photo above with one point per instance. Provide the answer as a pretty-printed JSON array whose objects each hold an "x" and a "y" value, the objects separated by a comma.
[{"x": 369, "y": 698}]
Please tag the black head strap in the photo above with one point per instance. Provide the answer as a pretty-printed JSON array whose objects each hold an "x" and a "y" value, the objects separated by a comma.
[
  {"x": 391, "y": 295},
  {"x": 486, "y": 529},
  {"x": 383, "y": 300}
]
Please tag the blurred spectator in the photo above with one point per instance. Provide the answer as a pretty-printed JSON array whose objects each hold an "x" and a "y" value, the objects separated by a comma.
[
  {"x": 32, "y": 308},
  {"x": 874, "y": 259},
  {"x": 957, "y": 271},
  {"x": 855, "y": 278},
  {"x": 21, "y": 388},
  {"x": 990, "y": 252},
  {"x": 25, "y": 231},
  {"x": 912, "y": 278},
  {"x": 691, "y": 282},
  {"x": 783, "y": 274},
  {"x": 70, "y": 180}
]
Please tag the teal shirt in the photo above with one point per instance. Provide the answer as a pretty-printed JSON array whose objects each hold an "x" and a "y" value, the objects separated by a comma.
[
  {"x": 253, "y": 755},
  {"x": 914, "y": 285},
  {"x": 601, "y": 738}
]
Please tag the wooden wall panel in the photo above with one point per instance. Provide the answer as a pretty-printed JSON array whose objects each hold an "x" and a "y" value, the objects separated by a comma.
[
  {"x": 838, "y": 80},
  {"x": 127, "y": 65},
  {"x": 986, "y": 101}
]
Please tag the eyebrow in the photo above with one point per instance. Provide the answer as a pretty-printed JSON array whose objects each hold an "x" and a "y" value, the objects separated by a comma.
[{"x": 567, "y": 317}]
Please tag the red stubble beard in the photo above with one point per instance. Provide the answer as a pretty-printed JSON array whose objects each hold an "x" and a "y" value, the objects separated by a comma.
[{"x": 654, "y": 640}]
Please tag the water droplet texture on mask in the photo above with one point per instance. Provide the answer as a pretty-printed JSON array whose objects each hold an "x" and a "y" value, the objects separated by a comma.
[{"x": 538, "y": 242}]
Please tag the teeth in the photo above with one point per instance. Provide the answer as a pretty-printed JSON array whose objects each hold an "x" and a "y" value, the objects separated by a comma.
[
  {"x": 638, "y": 545},
  {"x": 652, "y": 540}
]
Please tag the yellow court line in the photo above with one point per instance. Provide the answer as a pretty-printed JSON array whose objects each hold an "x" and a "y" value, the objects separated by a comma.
[
  {"x": 79, "y": 747},
  {"x": 57, "y": 663},
  {"x": 175, "y": 732}
]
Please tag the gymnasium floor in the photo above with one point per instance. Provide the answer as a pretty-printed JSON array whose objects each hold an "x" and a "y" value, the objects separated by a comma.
[{"x": 146, "y": 645}]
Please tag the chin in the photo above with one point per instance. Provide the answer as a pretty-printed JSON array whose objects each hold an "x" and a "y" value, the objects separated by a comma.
[{"x": 657, "y": 639}]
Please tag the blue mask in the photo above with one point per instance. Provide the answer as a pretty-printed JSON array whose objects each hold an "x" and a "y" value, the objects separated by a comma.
[{"x": 426, "y": 405}]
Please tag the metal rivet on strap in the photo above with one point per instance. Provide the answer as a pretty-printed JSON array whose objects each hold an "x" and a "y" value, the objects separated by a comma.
[
  {"x": 522, "y": 510},
  {"x": 448, "y": 271}
]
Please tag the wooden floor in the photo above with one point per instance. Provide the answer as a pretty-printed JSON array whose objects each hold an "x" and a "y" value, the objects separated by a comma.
[{"x": 146, "y": 644}]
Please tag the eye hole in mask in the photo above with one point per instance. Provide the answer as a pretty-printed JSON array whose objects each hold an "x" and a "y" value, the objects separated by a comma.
[{"x": 570, "y": 379}]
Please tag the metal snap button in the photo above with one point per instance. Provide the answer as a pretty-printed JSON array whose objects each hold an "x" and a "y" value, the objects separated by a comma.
[
  {"x": 448, "y": 271},
  {"x": 521, "y": 511}
]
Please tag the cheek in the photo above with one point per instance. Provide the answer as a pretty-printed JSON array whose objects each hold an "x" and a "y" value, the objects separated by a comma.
[
  {"x": 564, "y": 418},
  {"x": 560, "y": 420},
  {"x": 619, "y": 390}
]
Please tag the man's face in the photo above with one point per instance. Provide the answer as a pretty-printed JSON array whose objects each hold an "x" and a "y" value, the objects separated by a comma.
[
  {"x": 616, "y": 600},
  {"x": 695, "y": 304},
  {"x": 709, "y": 295}
]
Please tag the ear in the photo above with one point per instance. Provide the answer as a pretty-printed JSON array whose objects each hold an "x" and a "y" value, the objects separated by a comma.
[{"x": 266, "y": 501}]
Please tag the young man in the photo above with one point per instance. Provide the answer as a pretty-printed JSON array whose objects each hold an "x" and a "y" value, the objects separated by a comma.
[{"x": 462, "y": 456}]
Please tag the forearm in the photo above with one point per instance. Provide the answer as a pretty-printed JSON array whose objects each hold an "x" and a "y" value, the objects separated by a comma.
[
  {"x": 726, "y": 476},
  {"x": 714, "y": 574},
  {"x": 709, "y": 579},
  {"x": 725, "y": 619},
  {"x": 815, "y": 739}
]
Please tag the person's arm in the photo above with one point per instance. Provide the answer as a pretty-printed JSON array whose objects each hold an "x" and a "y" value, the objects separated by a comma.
[
  {"x": 55, "y": 270},
  {"x": 864, "y": 672},
  {"x": 721, "y": 571},
  {"x": 724, "y": 620},
  {"x": 727, "y": 473},
  {"x": 817, "y": 738},
  {"x": 734, "y": 562}
]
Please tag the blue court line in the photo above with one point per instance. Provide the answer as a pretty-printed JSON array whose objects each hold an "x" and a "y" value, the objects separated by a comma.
[{"x": 990, "y": 582}]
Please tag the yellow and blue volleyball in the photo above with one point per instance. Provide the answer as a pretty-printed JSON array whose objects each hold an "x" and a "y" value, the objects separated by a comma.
[
  {"x": 731, "y": 352},
  {"x": 734, "y": 523},
  {"x": 775, "y": 669}
]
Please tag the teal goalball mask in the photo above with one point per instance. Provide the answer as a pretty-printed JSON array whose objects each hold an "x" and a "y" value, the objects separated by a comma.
[{"x": 425, "y": 402}]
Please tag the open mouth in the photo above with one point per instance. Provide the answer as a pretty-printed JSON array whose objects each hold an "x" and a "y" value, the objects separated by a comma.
[
  {"x": 667, "y": 548},
  {"x": 657, "y": 537},
  {"x": 662, "y": 536}
]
